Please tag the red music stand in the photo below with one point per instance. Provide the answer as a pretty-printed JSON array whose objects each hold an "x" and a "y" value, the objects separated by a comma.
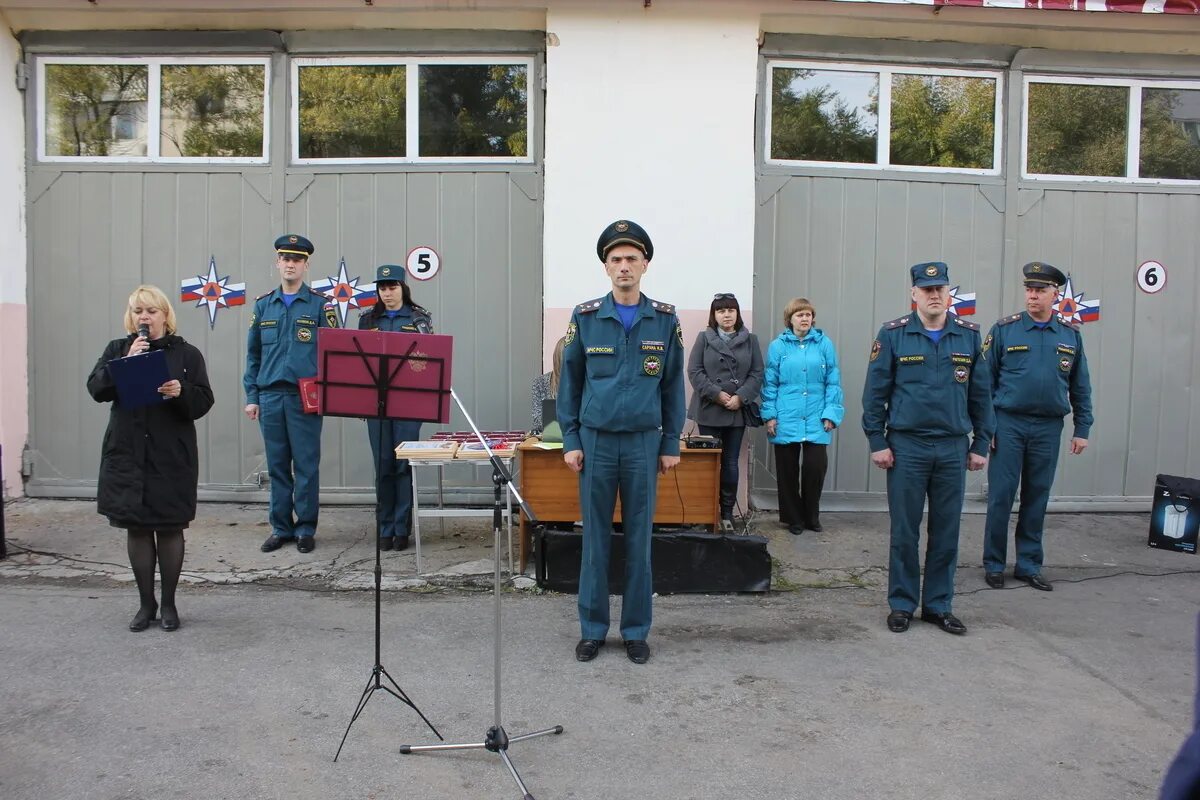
[{"x": 383, "y": 375}]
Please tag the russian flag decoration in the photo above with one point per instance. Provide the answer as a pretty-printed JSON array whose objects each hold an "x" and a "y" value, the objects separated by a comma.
[
  {"x": 1073, "y": 308},
  {"x": 212, "y": 291},
  {"x": 345, "y": 291}
]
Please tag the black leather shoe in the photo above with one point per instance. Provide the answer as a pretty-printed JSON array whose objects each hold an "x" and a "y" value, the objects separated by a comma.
[
  {"x": 795, "y": 530},
  {"x": 170, "y": 619},
  {"x": 898, "y": 620},
  {"x": 815, "y": 527},
  {"x": 385, "y": 542},
  {"x": 994, "y": 579},
  {"x": 587, "y": 649},
  {"x": 305, "y": 544},
  {"x": 273, "y": 543},
  {"x": 401, "y": 543},
  {"x": 142, "y": 619},
  {"x": 947, "y": 622},
  {"x": 1036, "y": 581},
  {"x": 637, "y": 650}
]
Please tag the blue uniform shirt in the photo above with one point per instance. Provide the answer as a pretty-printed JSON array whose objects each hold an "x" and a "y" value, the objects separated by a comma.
[
  {"x": 281, "y": 347},
  {"x": 923, "y": 388},
  {"x": 617, "y": 381},
  {"x": 409, "y": 319},
  {"x": 1039, "y": 370}
]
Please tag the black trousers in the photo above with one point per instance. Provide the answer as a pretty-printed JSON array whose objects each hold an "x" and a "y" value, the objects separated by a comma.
[{"x": 800, "y": 486}]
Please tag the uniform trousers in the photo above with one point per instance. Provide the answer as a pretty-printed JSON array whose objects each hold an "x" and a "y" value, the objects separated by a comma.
[
  {"x": 624, "y": 462},
  {"x": 933, "y": 468},
  {"x": 292, "y": 440},
  {"x": 1026, "y": 454},
  {"x": 800, "y": 483},
  {"x": 393, "y": 476}
]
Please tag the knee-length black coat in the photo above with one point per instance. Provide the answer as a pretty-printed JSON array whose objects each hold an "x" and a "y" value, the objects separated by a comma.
[{"x": 148, "y": 465}]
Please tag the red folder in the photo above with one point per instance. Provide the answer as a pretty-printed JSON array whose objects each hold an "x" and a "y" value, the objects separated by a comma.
[{"x": 309, "y": 397}]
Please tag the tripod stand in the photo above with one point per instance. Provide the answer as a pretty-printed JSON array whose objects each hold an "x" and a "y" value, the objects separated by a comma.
[
  {"x": 496, "y": 739},
  {"x": 367, "y": 382}
]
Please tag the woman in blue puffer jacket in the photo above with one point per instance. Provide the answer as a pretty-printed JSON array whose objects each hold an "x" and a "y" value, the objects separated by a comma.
[{"x": 802, "y": 404}]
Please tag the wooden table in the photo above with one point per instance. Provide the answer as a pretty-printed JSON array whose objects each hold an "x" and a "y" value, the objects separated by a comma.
[{"x": 687, "y": 495}]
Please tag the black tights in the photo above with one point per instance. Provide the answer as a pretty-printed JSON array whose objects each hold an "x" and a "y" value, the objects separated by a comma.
[{"x": 142, "y": 555}]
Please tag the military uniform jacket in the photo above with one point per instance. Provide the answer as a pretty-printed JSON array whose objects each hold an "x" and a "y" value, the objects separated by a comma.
[
  {"x": 1041, "y": 372},
  {"x": 411, "y": 319},
  {"x": 924, "y": 389},
  {"x": 281, "y": 347},
  {"x": 613, "y": 381}
]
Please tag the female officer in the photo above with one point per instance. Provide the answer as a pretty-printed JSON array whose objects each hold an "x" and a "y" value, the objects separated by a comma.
[
  {"x": 725, "y": 369},
  {"x": 149, "y": 466},
  {"x": 802, "y": 404},
  {"x": 395, "y": 311}
]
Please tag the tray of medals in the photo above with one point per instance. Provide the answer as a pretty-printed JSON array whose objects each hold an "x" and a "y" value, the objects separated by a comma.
[{"x": 502, "y": 443}]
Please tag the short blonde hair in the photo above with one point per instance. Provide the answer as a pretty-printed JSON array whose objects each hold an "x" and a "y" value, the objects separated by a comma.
[
  {"x": 794, "y": 305},
  {"x": 147, "y": 295}
]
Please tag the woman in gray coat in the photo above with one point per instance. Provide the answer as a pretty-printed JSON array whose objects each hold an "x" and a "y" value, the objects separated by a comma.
[{"x": 726, "y": 372}]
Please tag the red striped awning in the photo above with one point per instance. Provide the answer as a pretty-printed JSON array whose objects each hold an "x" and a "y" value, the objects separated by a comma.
[{"x": 1126, "y": 6}]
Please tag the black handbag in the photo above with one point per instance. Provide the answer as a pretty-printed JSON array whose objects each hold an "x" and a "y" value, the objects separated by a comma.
[
  {"x": 1175, "y": 515},
  {"x": 752, "y": 415}
]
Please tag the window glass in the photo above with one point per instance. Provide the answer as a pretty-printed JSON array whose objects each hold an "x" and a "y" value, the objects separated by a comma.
[
  {"x": 474, "y": 110},
  {"x": 96, "y": 109},
  {"x": 943, "y": 121},
  {"x": 352, "y": 111},
  {"x": 1170, "y": 143},
  {"x": 212, "y": 110},
  {"x": 824, "y": 115},
  {"x": 1077, "y": 129}
]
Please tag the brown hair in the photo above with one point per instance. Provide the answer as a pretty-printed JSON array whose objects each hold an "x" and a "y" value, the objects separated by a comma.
[
  {"x": 147, "y": 295},
  {"x": 794, "y": 305}
]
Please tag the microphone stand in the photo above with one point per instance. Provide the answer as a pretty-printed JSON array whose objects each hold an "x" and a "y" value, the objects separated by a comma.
[{"x": 496, "y": 739}]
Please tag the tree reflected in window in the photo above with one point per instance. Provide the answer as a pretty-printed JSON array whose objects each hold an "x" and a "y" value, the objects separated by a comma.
[
  {"x": 212, "y": 110},
  {"x": 352, "y": 111},
  {"x": 1170, "y": 143},
  {"x": 96, "y": 109},
  {"x": 943, "y": 121},
  {"x": 474, "y": 110},
  {"x": 1077, "y": 129},
  {"x": 824, "y": 115}
]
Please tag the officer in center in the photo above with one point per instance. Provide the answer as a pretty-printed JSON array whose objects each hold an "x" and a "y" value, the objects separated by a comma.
[
  {"x": 281, "y": 348},
  {"x": 1038, "y": 373},
  {"x": 621, "y": 409},
  {"x": 924, "y": 393}
]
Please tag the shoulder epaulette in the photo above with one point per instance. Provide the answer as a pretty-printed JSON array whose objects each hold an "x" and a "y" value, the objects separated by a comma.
[
  {"x": 896, "y": 323},
  {"x": 264, "y": 294},
  {"x": 971, "y": 326},
  {"x": 589, "y": 306},
  {"x": 1008, "y": 320},
  {"x": 662, "y": 308},
  {"x": 1073, "y": 325}
]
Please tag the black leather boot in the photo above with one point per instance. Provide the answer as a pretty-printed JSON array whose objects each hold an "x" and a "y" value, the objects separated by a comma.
[{"x": 728, "y": 498}]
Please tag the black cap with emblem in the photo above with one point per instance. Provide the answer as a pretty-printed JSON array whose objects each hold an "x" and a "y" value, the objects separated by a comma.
[
  {"x": 1039, "y": 273},
  {"x": 294, "y": 244},
  {"x": 930, "y": 273},
  {"x": 624, "y": 232},
  {"x": 390, "y": 273}
]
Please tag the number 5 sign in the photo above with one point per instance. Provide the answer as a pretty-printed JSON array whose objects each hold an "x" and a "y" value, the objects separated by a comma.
[
  {"x": 1151, "y": 277},
  {"x": 423, "y": 263}
]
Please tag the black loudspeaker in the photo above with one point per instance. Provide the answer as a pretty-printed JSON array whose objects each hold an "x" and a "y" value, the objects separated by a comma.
[{"x": 684, "y": 562}]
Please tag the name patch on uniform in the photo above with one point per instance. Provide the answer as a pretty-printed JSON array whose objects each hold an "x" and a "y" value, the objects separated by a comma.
[
  {"x": 961, "y": 374},
  {"x": 655, "y": 347},
  {"x": 961, "y": 358},
  {"x": 268, "y": 323},
  {"x": 608, "y": 351},
  {"x": 912, "y": 359},
  {"x": 1066, "y": 349},
  {"x": 305, "y": 321},
  {"x": 652, "y": 365},
  {"x": 1017, "y": 348}
]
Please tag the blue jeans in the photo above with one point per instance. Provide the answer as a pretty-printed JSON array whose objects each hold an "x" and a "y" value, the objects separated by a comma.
[{"x": 731, "y": 451}]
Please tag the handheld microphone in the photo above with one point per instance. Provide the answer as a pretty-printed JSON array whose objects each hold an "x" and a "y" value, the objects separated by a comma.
[{"x": 144, "y": 331}]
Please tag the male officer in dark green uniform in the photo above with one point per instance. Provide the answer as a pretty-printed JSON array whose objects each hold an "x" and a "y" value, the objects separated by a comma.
[
  {"x": 621, "y": 409},
  {"x": 924, "y": 394},
  {"x": 1038, "y": 373},
  {"x": 280, "y": 350}
]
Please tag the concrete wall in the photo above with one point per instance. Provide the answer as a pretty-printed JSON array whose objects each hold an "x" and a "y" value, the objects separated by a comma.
[{"x": 14, "y": 362}]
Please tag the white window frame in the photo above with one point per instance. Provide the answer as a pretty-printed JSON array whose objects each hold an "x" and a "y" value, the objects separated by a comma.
[
  {"x": 1133, "y": 131},
  {"x": 154, "y": 109},
  {"x": 883, "y": 150},
  {"x": 412, "y": 115}
]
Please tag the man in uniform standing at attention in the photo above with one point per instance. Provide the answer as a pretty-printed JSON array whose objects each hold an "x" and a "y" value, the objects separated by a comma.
[
  {"x": 621, "y": 408},
  {"x": 280, "y": 350},
  {"x": 924, "y": 394},
  {"x": 1038, "y": 374}
]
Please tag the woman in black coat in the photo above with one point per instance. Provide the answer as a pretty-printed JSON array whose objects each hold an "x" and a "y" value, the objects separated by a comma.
[
  {"x": 725, "y": 368},
  {"x": 148, "y": 465}
]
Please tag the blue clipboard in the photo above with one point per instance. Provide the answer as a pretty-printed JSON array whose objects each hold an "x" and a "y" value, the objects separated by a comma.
[{"x": 138, "y": 377}]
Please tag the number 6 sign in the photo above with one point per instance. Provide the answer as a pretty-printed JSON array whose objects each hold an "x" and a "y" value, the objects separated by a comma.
[
  {"x": 1151, "y": 277},
  {"x": 423, "y": 263}
]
